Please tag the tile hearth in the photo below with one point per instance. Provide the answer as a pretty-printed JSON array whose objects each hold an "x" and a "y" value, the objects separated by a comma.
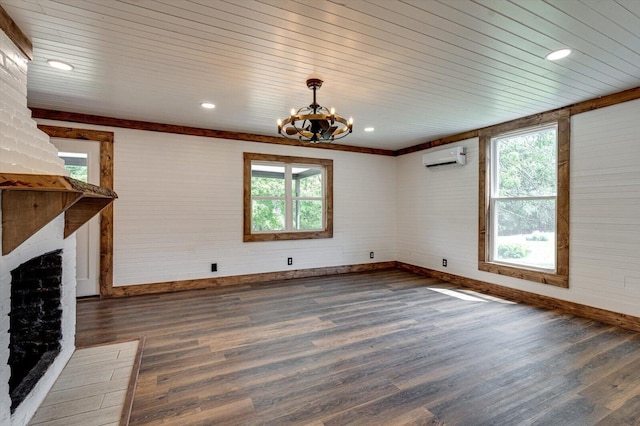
[{"x": 92, "y": 389}]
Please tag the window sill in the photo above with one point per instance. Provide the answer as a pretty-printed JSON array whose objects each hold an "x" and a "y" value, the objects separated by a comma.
[
  {"x": 285, "y": 236},
  {"x": 526, "y": 274}
]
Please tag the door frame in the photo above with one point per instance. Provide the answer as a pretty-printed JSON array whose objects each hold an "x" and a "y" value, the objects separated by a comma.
[{"x": 106, "y": 139}]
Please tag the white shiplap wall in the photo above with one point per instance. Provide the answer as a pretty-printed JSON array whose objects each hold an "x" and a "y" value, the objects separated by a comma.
[
  {"x": 605, "y": 207},
  {"x": 437, "y": 213},
  {"x": 179, "y": 209}
]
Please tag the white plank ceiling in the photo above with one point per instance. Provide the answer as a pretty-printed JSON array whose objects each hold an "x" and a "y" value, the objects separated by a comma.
[{"x": 415, "y": 70}]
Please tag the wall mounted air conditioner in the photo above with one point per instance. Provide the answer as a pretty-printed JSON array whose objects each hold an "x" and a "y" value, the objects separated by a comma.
[{"x": 445, "y": 157}]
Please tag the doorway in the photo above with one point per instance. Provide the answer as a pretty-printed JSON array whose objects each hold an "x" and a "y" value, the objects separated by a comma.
[{"x": 82, "y": 159}]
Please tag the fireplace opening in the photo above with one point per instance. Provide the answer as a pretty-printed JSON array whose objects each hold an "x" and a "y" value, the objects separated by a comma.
[{"x": 35, "y": 322}]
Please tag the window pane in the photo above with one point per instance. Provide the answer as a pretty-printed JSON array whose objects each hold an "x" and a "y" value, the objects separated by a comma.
[
  {"x": 267, "y": 180},
  {"x": 307, "y": 214},
  {"x": 527, "y": 164},
  {"x": 76, "y": 163},
  {"x": 267, "y": 215},
  {"x": 307, "y": 182},
  {"x": 525, "y": 233}
]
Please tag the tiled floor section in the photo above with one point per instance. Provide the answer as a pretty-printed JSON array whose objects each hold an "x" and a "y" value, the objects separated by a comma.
[{"x": 91, "y": 389}]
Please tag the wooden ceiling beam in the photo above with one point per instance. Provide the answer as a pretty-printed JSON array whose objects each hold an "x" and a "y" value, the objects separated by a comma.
[
  {"x": 194, "y": 131},
  {"x": 15, "y": 34}
]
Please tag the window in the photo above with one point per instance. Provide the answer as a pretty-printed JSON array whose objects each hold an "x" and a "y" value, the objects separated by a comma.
[
  {"x": 524, "y": 201},
  {"x": 287, "y": 198}
]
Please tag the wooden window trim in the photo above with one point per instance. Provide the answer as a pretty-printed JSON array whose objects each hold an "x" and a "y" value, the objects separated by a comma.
[
  {"x": 561, "y": 277},
  {"x": 248, "y": 236}
]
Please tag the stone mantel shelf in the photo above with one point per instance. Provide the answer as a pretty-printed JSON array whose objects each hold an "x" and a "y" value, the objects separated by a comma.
[{"x": 31, "y": 201}]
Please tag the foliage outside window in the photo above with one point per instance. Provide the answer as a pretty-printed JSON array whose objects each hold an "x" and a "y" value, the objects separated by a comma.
[
  {"x": 287, "y": 198},
  {"x": 524, "y": 180}
]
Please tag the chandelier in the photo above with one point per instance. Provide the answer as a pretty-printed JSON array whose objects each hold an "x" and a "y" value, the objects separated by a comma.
[{"x": 315, "y": 123}]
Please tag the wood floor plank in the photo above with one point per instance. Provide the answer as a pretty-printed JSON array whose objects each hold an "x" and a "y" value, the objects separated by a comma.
[{"x": 374, "y": 348}]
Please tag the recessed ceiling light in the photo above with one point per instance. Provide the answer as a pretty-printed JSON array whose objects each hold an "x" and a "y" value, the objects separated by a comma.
[
  {"x": 59, "y": 65},
  {"x": 369, "y": 129},
  {"x": 558, "y": 54},
  {"x": 207, "y": 105}
]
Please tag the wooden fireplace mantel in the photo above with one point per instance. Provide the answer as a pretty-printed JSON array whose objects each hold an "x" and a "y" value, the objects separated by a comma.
[{"x": 30, "y": 201}]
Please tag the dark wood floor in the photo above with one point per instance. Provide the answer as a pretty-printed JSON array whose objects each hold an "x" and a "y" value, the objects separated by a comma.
[{"x": 378, "y": 348}]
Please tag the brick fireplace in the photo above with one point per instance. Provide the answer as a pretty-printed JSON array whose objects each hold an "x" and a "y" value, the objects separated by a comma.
[
  {"x": 35, "y": 322},
  {"x": 25, "y": 149}
]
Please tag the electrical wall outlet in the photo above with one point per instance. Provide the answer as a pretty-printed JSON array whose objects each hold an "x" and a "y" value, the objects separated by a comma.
[
  {"x": 214, "y": 267},
  {"x": 289, "y": 260},
  {"x": 444, "y": 262},
  {"x": 370, "y": 255}
]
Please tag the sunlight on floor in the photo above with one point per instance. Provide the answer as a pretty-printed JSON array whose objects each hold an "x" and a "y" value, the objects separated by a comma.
[{"x": 470, "y": 295}]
